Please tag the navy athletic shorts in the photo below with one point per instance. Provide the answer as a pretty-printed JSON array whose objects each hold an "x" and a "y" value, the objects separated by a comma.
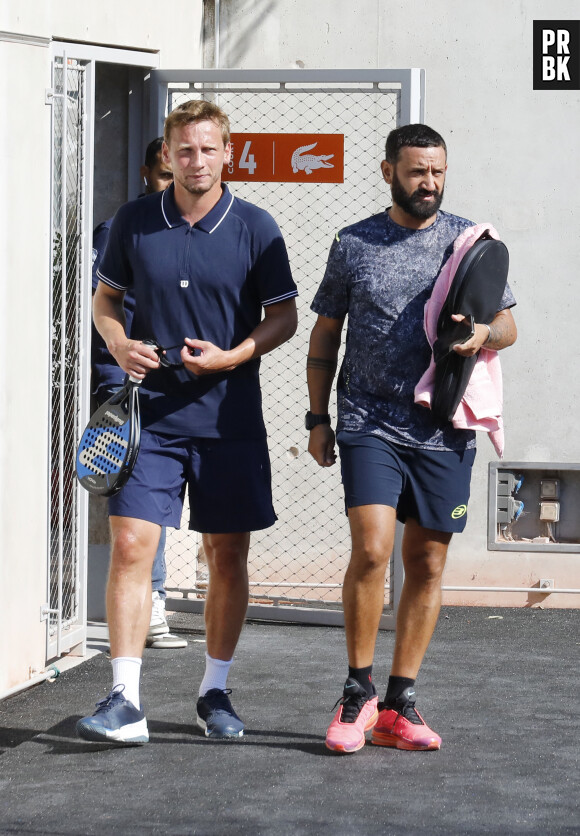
[
  {"x": 228, "y": 480},
  {"x": 431, "y": 486}
]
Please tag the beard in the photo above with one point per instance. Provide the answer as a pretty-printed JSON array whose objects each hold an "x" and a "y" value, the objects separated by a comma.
[
  {"x": 413, "y": 204},
  {"x": 198, "y": 188},
  {"x": 193, "y": 189}
]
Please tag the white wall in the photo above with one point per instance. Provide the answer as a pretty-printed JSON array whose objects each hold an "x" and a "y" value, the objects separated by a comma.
[
  {"x": 174, "y": 34},
  {"x": 513, "y": 160},
  {"x": 25, "y": 161}
]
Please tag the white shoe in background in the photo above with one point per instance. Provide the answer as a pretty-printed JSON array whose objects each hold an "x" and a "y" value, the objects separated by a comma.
[
  {"x": 159, "y": 636},
  {"x": 158, "y": 624}
]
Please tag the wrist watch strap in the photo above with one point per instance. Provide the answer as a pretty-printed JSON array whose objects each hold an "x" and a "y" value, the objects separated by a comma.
[{"x": 312, "y": 420}]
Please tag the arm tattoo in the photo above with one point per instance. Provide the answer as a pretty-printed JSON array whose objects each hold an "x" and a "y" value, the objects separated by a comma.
[
  {"x": 498, "y": 333},
  {"x": 321, "y": 363}
]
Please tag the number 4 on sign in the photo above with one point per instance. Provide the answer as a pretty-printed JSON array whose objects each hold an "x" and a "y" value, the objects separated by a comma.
[{"x": 247, "y": 160}]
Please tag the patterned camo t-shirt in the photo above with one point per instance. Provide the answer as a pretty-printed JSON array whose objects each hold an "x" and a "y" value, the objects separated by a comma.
[{"x": 381, "y": 274}]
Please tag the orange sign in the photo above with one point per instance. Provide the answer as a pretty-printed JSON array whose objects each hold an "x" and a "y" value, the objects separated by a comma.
[{"x": 286, "y": 158}]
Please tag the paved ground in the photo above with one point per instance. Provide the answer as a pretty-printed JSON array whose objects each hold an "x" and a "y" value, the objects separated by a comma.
[{"x": 500, "y": 686}]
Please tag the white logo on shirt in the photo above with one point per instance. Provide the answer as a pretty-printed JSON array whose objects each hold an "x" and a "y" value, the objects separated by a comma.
[{"x": 184, "y": 283}]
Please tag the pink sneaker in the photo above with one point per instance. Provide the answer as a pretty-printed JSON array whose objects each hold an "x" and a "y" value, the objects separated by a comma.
[
  {"x": 357, "y": 714},
  {"x": 403, "y": 727}
]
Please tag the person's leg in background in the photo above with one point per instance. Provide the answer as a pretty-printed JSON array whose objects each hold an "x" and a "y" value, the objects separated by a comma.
[{"x": 159, "y": 635}]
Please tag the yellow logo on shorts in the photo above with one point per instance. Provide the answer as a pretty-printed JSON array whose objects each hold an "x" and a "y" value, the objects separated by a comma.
[{"x": 460, "y": 511}]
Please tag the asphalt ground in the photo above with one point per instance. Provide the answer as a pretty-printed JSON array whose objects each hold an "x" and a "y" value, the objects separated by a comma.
[{"x": 500, "y": 686}]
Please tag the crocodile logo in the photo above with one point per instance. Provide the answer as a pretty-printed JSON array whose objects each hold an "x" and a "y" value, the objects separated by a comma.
[{"x": 301, "y": 161}]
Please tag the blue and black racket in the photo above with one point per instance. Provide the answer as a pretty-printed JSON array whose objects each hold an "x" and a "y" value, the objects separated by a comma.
[
  {"x": 110, "y": 443},
  {"x": 109, "y": 446}
]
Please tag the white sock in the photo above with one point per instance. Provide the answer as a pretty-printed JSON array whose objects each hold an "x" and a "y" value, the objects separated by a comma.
[
  {"x": 127, "y": 672},
  {"x": 216, "y": 675}
]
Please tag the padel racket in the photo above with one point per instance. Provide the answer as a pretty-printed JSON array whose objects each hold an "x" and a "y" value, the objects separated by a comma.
[
  {"x": 109, "y": 446},
  {"x": 110, "y": 443}
]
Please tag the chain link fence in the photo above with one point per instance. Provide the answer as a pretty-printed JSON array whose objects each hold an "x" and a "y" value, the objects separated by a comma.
[{"x": 302, "y": 559}]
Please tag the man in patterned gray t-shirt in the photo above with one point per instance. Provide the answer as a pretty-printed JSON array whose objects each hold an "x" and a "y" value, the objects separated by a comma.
[{"x": 397, "y": 462}]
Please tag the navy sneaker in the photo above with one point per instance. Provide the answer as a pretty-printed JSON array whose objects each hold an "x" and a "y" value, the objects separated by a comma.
[
  {"x": 216, "y": 716},
  {"x": 116, "y": 720}
]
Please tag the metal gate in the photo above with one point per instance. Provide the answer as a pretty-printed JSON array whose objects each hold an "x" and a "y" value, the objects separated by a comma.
[
  {"x": 296, "y": 567},
  {"x": 64, "y": 611}
]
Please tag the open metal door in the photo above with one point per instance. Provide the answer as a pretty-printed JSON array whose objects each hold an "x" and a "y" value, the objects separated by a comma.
[{"x": 65, "y": 609}]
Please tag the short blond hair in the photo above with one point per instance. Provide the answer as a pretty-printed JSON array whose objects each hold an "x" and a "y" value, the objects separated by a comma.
[{"x": 197, "y": 110}]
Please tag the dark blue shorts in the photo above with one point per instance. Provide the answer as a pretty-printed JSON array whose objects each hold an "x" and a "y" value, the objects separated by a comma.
[
  {"x": 430, "y": 486},
  {"x": 229, "y": 484}
]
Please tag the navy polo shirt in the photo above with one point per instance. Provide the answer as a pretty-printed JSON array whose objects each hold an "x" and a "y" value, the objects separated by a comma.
[
  {"x": 208, "y": 281},
  {"x": 105, "y": 373}
]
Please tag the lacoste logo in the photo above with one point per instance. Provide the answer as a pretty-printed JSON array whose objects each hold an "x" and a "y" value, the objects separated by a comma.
[{"x": 301, "y": 161}]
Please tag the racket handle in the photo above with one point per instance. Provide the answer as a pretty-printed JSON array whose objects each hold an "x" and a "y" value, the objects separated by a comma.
[{"x": 134, "y": 380}]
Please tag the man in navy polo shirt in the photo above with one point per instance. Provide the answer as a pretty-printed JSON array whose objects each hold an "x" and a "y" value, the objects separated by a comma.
[
  {"x": 107, "y": 376},
  {"x": 203, "y": 266},
  {"x": 397, "y": 461}
]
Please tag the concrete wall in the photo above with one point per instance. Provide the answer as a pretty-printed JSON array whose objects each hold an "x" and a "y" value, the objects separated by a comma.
[
  {"x": 513, "y": 160},
  {"x": 24, "y": 251},
  {"x": 26, "y": 31},
  {"x": 128, "y": 24}
]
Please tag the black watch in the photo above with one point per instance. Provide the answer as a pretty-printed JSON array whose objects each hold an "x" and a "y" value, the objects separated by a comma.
[{"x": 311, "y": 420}]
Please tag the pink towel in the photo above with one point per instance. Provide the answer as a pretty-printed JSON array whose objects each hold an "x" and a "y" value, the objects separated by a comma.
[{"x": 482, "y": 403}]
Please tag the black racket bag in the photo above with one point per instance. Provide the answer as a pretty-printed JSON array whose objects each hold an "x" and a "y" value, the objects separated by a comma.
[{"x": 476, "y": 291}]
